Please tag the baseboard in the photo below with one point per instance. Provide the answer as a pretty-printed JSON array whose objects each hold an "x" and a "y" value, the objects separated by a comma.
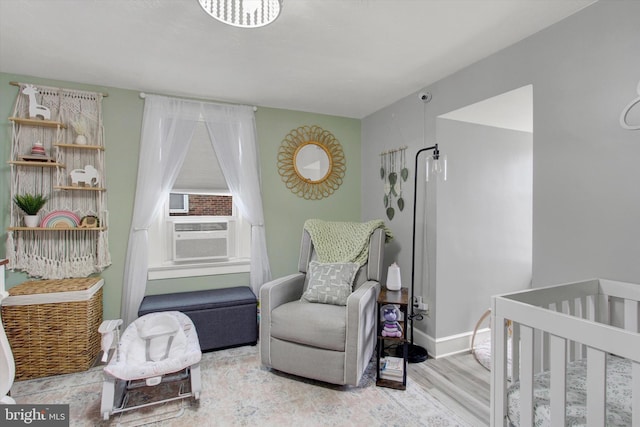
[{"x": 450, "y": 345}]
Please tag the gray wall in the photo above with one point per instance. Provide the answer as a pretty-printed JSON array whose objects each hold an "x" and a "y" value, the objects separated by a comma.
[
  {"x": 484, "y": 212},
  {"x": 586, "y": 204}
]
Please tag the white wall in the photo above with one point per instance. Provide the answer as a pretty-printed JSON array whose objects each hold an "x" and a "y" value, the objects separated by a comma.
[{"x": 586, "y": 203}]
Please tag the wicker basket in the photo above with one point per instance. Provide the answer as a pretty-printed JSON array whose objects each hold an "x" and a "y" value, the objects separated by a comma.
[{"x": 52, "y": 325}]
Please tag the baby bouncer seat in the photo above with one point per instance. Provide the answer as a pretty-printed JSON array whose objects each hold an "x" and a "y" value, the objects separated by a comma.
[{"x": 155, "y": 348}]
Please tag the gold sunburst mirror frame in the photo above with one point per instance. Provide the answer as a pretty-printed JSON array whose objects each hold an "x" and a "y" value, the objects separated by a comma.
[{"x": 311, "y": 162}]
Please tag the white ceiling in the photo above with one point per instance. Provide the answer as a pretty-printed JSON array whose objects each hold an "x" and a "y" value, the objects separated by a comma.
[{"x": 341, "y": 57}]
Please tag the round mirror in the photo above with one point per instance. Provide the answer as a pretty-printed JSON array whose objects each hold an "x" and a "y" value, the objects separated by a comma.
[{"x": 311, "y": 162}]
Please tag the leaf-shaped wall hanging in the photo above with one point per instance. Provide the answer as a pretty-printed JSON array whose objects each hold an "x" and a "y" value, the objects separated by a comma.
[
  {"x": 393, "y": 172},
  {"x": 387, "y": 188},
  {"x": 404, "y": 173},
  {"x": 390, "y": 213}
]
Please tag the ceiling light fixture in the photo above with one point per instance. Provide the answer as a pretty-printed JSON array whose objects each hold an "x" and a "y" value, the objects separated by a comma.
[{"x": 243, "y": 13}]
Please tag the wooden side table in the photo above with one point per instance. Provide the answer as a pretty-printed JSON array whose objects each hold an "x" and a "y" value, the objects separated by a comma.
[{"x": 391, "y": 370}]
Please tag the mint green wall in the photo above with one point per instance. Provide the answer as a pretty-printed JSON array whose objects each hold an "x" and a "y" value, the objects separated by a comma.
[{"x": 284, "y": 212}]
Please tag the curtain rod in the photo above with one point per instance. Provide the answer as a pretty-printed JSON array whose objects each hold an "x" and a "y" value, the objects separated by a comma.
[
  {"x": 19, "y": 83},
  {"x": 144, "y": 95}
]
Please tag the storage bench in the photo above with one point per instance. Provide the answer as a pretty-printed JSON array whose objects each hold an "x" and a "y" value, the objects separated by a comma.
[{"x": 223, "y": 317}]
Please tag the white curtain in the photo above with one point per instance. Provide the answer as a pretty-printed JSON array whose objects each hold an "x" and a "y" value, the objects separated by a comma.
[
  {"x": 167, "y": 128},
  {"x": 232, "y": 130}
]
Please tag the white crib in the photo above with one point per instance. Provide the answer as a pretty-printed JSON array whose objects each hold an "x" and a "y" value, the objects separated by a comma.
[{"x": 569, "y": 344}]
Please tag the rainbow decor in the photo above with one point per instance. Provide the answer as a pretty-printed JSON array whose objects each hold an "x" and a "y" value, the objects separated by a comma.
[{"x": 60, "y": 219}]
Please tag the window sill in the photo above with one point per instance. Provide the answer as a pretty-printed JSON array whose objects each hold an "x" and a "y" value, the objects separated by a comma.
[{"x": 173, "y": 271}]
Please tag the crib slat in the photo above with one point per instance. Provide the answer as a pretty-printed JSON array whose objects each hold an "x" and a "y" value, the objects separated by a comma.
[
  {"x": 558, "y": 349},
  {"x": 570, "y": 309},
  {"x": 635, "y": 395},
  {"x": 591, "y": 308},
  {"x": 526, "y": 375},
  {"x": 498, "y": 412},
  {"x": 582, "y": 308},
  {"x": 545, "y": 351},
  {"x": 631, "y": 315},
  {"x": 603, "y": 309},
  {"x": 596, "y": 371},
  {"x": 538, "y": 344},
  {"x": 515, "y": 352}
]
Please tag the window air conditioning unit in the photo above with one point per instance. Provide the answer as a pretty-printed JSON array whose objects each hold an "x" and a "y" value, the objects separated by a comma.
[{"x": 200, "y": 241}]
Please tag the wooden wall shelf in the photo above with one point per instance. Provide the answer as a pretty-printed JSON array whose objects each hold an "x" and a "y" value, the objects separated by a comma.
[
  {"x": 38, "y": 122},
  {"x": 72, "y": 188},
  {"x": 79, "y": 146},
  {"x": 36, "y": 164},
  {"x": 56, "y": 229}
]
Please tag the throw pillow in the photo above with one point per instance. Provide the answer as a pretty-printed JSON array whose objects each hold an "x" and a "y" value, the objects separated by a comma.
[{"x": 330, "y": 283}]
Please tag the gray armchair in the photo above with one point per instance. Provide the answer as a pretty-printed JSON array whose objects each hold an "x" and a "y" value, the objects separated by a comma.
[{"x": 330, "y": 343}]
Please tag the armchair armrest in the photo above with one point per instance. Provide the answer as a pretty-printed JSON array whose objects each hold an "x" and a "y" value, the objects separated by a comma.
[
  {"x": 361, "y": 304},
  {"x": 280, "y": 291},
  {"x": 361, "y": 329}
]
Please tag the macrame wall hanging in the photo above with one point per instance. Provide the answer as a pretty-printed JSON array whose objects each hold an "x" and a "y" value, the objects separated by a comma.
[
  {"x": 71, "y": 239},
  {"x": 393, "y": 171}
]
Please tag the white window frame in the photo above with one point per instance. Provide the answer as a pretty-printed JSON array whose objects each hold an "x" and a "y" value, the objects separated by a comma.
[
  {"x": 161, "y": 265},
  {"x": 185, "y": 204}
]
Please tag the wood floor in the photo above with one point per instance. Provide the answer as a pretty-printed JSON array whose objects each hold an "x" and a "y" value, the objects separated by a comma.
[{"x": 459, "y": 382}]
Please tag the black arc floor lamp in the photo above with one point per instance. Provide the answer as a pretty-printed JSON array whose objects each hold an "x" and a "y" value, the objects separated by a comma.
[{"x": 419, "y": 354}]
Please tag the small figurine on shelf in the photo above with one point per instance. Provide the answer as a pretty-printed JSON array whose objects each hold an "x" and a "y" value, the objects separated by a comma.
[
  {"x": 89, "y": 221},
  {"x": 80, "y": 126},
  {"x": 37, "y": 149},
  {"x": 36, "y": 154},
  {"x": 35, "y": 109},
  {"x": 392, "y": 327},
  {"x": 87, "y": 177}
]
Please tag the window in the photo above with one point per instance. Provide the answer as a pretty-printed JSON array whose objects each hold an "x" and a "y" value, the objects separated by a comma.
[
  {"x": 200, "y": 205},
  {"x": 178, "y": 203},
  {"x": 200, "y": 232}
]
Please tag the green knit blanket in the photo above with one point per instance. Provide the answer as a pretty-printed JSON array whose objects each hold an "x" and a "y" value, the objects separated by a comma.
[{"x": 336, "y": 241}]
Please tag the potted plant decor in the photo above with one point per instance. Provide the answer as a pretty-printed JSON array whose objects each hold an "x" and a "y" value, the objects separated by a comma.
[{"x": 30, "y": 204}]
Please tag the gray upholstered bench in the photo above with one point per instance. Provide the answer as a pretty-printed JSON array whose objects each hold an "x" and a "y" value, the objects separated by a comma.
[{"x": 223, "y": 317}]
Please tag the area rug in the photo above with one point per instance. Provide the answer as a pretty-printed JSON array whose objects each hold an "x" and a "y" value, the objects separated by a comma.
[{"x": 238, "y": 391}]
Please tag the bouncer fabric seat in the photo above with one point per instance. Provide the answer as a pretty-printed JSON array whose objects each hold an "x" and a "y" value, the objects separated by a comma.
[
  {"x": 155, "y": 348},
  {"x": 156, "y": 344}
]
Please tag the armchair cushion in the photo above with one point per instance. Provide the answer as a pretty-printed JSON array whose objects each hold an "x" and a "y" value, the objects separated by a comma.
[
  {"x": 330, "y": 283},
  {"x": 316, "y": 325}
]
